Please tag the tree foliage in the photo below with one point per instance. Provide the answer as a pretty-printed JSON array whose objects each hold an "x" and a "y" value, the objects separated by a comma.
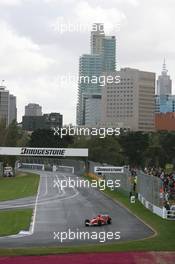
[
  {"x": 46, "y": 138},
  {"x": 133, "y": 148},
  {"x": 11, "y": 136}
]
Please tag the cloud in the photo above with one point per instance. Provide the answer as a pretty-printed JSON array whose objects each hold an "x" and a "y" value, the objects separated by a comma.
[
  {"x": 33, "y": 54},
  {"x": 19, "y": 55},
  {"x": 102, "y": 3},
  {"x": 34, "y": 77},
  {"x": 89, "y": 14},
  {"x": 47, "y": 91},
  {"x": 84, "y": 14},
  {"x": 10, "y": 2},
  {"x": 55, "y": 2}
]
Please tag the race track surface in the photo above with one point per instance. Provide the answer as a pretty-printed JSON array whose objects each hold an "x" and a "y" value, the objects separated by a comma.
[
  {"x": 28, "y": 202},
  {"x": 60, "y": 210}
]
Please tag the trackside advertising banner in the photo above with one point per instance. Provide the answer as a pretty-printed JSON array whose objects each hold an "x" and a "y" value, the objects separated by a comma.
[
  {"x": 52, "y": 152},
  {"x": 109, "y": 169}
]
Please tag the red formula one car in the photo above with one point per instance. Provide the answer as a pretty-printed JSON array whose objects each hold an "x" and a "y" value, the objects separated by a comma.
[{"x": 99, "y": 220}]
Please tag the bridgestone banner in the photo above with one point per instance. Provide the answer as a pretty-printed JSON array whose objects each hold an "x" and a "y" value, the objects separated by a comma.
[
  {"x": 51, "y": 152},
  {"x": 108, "y": 169}
]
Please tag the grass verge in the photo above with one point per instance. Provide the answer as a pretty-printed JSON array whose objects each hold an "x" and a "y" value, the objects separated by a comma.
[
  {"x": 13, "y": 221},
  {"x": 23, "y": 185}
]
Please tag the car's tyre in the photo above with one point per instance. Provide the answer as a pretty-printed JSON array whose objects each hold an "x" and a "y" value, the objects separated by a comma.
[
  {"x": 109, "y": 221},
  {"x": 87, "y": 221},
  {"x": 99, "y": 223}
]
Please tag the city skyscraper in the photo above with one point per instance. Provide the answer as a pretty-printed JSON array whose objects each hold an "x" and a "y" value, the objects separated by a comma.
[
  {"x": 4, "y": 104},
  {"x": 109, "y": 53},
  {"x": 91, "y": 68},
  {"x": 97, "y": 36},
  {"x": 164, "y": 82},
  {"x": 129, "y": 103},
  {"x": 165, "y": 101},
  {"x": 104, "y": 46},
  {"x": 12, "y": 109},
  {"x": 8, "y": 111}
]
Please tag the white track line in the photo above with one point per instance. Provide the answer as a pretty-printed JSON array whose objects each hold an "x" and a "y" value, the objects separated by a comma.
[
  {"x": 75, "y": 190},
  {"x": 61, "y": 191},
  {"x": 32, "y": 226},
  {"x": 46, "y": 192},
  {"x": 46, "y": 200}
]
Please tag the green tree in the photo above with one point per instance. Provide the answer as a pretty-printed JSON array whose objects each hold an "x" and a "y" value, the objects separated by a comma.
[
  {"x": 104, "y": 150},
  {"x": 3, "y": 132},
  {"x": 167, "y": 141},
  {"x": 134, "y": 145},
  {"x": 46, "y": 138},
  {"x": 154, "y": 154},
  {"x": 12, "y": 135}
]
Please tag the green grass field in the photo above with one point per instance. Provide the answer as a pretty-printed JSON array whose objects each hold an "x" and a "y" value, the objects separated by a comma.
[
  {"x": 163, "y": 240},
  {"x": 13, "y": 221},
  {"x": 165, "y": 229},
  {"x": 23, "y": 185}
]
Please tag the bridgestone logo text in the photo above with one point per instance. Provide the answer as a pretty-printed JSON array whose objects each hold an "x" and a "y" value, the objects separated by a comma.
[
  {"x": 43, "y": 152},
  {"x": 109, "y": 169}
]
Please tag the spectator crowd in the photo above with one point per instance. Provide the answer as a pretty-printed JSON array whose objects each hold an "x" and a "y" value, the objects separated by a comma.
[{"x": 168, "y": 184}]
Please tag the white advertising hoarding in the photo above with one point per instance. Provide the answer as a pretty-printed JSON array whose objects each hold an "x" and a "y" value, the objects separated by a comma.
[
  {"x": 52, "y": 152},
  {"x": 109, "y": 169}
]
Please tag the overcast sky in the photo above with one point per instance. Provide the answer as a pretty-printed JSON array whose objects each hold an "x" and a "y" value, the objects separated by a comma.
[{"x": 35, "y": 54}]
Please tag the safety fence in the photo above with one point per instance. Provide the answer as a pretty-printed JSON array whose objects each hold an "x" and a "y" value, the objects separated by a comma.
[
  {"x": 48, "y": 164},
  {"x": 150, "y": 187},
  {"x": 1, "y": 169}
]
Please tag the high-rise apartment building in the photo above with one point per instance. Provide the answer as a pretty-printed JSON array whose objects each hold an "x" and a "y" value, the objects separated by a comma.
[
  {"x": 8, "y": 111},
  {"x": 4, "y": 104},
  {"x": 104, "y": 46},
  {"x": 97, "y": 36},
  {"x": 109, "y": 53},
  {"x": 129, "y": 103},
  {"x": 92, "y": 109},
  {"x": 91, "y": 68},
  {"x": 12, "y": 109},
  {"x": 33, "y": 110}
]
